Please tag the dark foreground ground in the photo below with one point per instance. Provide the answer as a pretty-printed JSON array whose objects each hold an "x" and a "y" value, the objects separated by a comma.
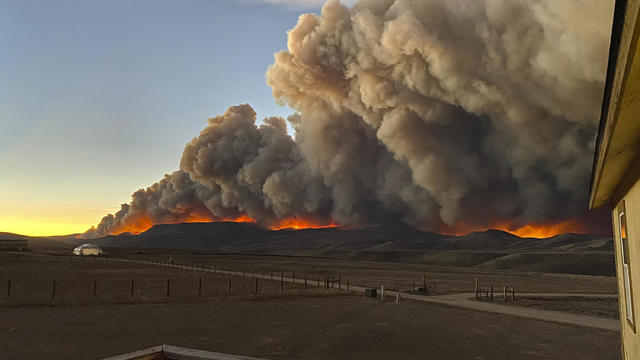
[{"x": 337, "y": 327}]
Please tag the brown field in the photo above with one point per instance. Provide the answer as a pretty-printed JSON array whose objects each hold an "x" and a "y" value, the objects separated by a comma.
[
  {"x": 318, "y": 324},
  {"x": 440, "y": 279},
  {"x": 32, "y": 283}
]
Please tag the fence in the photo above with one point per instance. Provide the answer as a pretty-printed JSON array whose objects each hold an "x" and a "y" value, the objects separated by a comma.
[
  {"x": 487, "y": 293},
  {"x": 191, "y": 281}
]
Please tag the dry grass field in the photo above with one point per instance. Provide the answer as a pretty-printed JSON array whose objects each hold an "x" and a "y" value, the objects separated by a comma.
[
  {"x": 46, "y": 280},
  {"x": 441, "y": 279},
  {"x": 317, "y": 324}
]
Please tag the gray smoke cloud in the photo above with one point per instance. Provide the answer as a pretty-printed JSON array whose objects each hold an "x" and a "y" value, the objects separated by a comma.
[{"x": 441, "y": 114}]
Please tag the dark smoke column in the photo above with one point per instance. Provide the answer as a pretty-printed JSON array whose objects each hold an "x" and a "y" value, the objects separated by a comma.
[
  {"x": 441, "y": 114},
  {"x": 490, "y": 106}
]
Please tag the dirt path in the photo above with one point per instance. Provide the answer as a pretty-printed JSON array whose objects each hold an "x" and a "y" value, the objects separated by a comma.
[{"x": 464, "y": 301}]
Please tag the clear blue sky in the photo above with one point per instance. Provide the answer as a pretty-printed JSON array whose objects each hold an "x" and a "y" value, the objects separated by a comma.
[{"x": 98, "y": 98}]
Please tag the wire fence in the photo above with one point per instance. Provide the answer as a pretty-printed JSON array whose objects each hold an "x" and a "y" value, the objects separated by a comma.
[{"x": 90, "y": 279}]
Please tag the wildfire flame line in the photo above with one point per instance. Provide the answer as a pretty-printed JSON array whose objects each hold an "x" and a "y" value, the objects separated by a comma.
[
  {"x": 538, "y": 231},
  {"x": 144, "y": 223}
]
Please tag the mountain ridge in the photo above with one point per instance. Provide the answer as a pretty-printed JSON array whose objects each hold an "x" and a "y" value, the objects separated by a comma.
[{"x": 565, "y": 253}]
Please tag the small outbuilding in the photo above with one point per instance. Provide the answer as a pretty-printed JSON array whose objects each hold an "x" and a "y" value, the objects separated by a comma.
[
  {"x": 88, "y": 249},
  {"x": 14, "y": 245}
]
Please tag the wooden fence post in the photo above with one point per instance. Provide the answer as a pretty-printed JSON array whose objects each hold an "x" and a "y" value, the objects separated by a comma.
[
  {"x": 476, "y": 288},
  {"x": 131, "y": 294},
  {"x": 305, "y": 282},
  {"x": 339, "y": 282},
  {"x": 53, "y": 290},
  {"x": 504, "y": 292},
  {"x": 513, "y": 294},
  {"x": 229, "y": 289},
  {"x": 491, "y": 298},
  {"x": 95, "y": 286},
  {"x": 8, "y": 288},
  {"x": 424, "y": 284},
  {"x": 168, "y": 287},
  {"x": 281, "y": 283}
]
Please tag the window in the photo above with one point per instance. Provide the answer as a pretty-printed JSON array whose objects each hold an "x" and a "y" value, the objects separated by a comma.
[{"x": 624, "y": 255}]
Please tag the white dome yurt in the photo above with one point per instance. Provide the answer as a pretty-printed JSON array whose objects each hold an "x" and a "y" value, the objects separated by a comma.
[{"x": 88, "y": 249}]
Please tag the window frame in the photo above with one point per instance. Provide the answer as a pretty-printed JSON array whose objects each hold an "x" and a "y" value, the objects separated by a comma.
[{"x": 627, "y": 284}]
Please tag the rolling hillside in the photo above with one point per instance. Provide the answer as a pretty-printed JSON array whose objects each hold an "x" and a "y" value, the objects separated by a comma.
[{"x": 566, "y": 253}]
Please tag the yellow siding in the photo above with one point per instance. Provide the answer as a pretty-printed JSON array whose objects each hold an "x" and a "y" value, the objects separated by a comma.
[{"x": 630, "y": 338}]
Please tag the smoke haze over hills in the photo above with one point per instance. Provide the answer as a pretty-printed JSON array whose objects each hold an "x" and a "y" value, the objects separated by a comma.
[{"x": 447, "y": 116}]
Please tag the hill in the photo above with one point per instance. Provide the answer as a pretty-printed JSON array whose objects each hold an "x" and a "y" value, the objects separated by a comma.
[{"x": 566, "y": 253}]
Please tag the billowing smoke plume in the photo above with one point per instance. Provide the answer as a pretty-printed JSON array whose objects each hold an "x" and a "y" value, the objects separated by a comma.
[{"x": 441, "y": 114}]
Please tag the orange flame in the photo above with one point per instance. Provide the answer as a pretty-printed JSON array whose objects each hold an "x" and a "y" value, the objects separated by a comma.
[
  {"x": 542, "y": 231},
  {"x": 135, "y": 226},
  {"x": 539, "y": 231},
  {"x": 297, "y": 224},
  {"x": 244, "y": 218},
  {"x": 144, "y": 223}
]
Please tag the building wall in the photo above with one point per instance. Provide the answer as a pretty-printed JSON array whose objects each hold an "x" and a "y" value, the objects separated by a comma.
[{"x": 630, "y": 335}]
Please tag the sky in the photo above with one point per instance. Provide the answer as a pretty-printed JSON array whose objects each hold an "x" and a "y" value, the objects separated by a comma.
[{"x": 98, "y": 98}]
